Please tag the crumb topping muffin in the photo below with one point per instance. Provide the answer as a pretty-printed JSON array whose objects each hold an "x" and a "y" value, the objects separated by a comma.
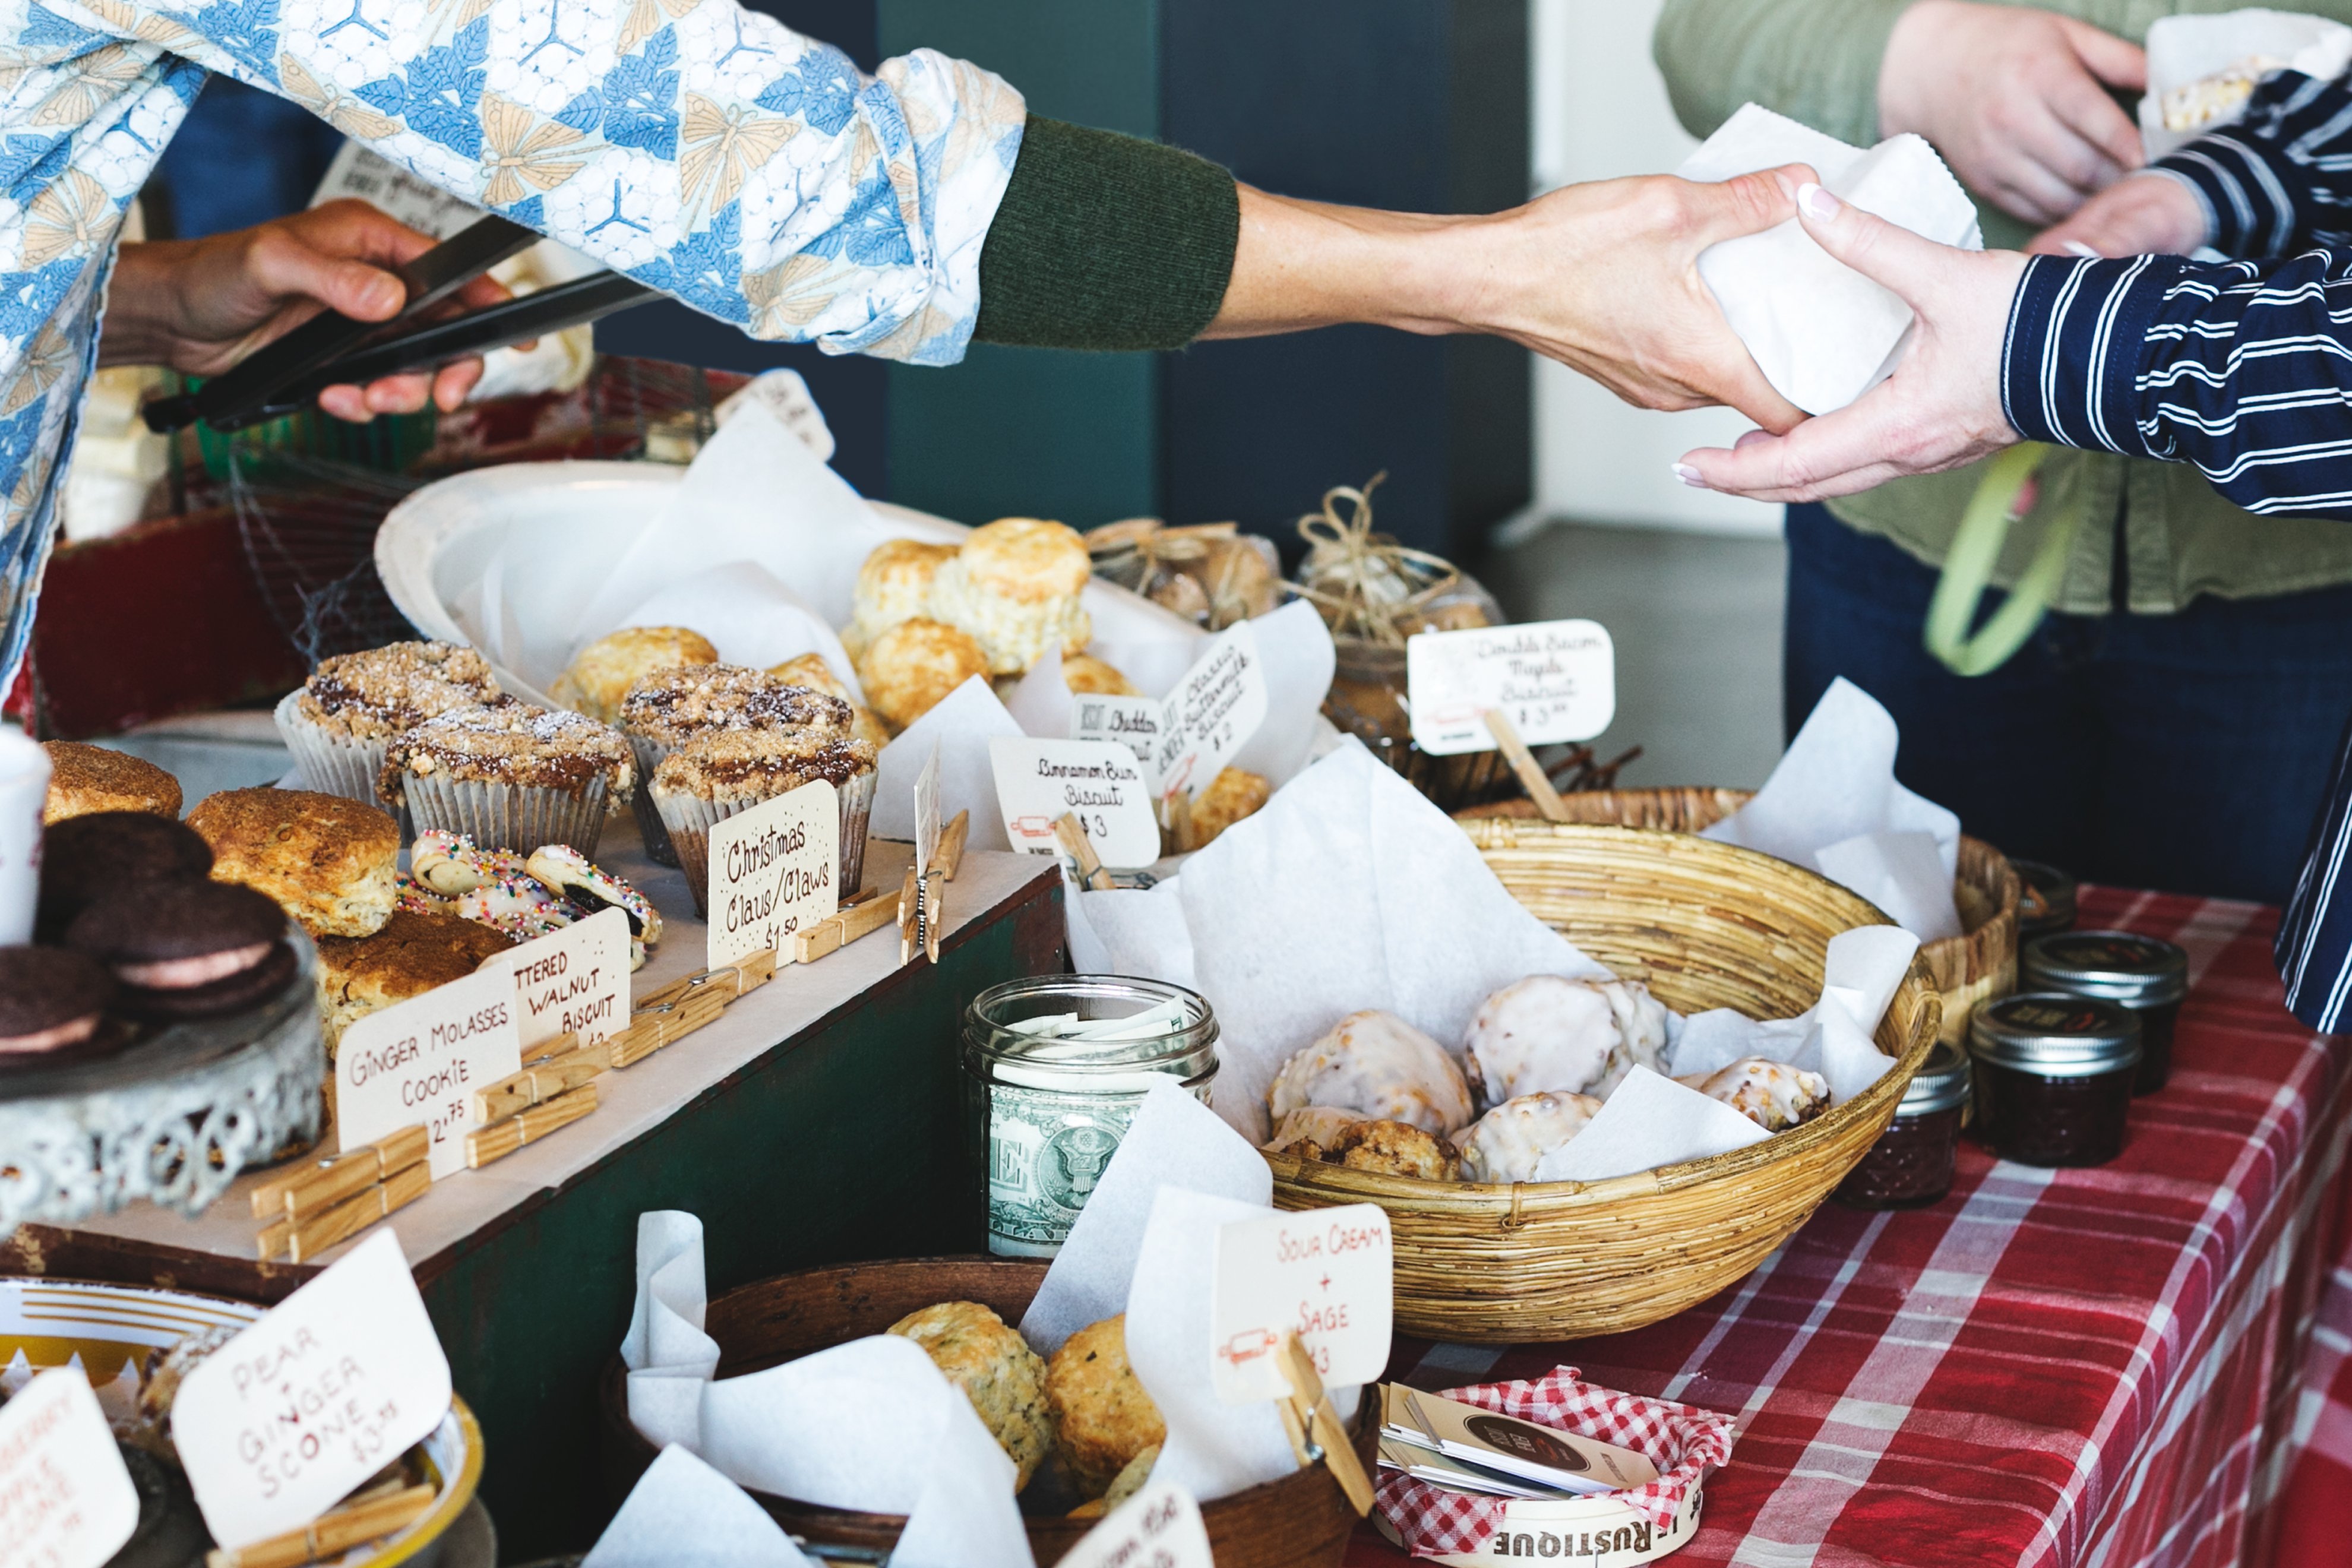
[
  {"x": 87, "y": 779},
  {"x": 376, "y": 694},
  {"x": 512, "y": 743},
  {"x": 669, "y": 706},
  {"x": 604, "y": 671},
  {"x": 758, "y": 764}
]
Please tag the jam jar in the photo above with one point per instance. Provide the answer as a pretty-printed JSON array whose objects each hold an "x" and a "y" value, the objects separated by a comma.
[
  {"x": 2048, "y": 903},
  {"x": 2144, "y": 974},
  {"x": 2053, "y": 1076},
  {"x": 1910, "y": 1166}
]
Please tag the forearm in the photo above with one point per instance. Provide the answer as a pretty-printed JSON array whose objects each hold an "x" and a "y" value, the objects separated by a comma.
[
  {"x": 1815, "y": 61},
  {"x": 137, "y": 329}
]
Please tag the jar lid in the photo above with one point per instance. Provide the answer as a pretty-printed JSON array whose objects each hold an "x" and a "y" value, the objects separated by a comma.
[
  {"x": 2055, "y": 1035},
  {"x": 1941, "y": 1082},
  {"x": 2113, "y": 966},
  {"x": 2048, "y": 904}
]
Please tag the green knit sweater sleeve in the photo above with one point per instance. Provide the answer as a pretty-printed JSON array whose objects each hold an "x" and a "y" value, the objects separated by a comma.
[
  {"x": 1106, "y": 241},
  {"x": 1815, "y": 61}
]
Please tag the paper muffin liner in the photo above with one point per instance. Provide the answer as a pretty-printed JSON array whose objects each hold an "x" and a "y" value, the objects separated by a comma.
[
  {"x": 519, "y": 817},
  {"x": 650, "y": 753},
  {"x": 689, "y": 821},
  {"x": 332, "y": 763}
]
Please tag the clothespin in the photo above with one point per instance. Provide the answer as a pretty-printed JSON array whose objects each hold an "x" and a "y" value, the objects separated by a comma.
[
  {"x": 869, "y": 911},
  {"x": 1317, "y": 1435},
  {"x": 1080, "y": 848},
  {"x": 1537, "y": 782},
  {"x": 910, "y": 917},
  {"x": 313, "y": 1207},
  {"x": 684, "y": 1009}
]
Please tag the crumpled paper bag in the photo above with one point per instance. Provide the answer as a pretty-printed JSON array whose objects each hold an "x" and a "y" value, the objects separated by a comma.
[
  {"x": 1821, "y": 333},
  {"x": 682, "y": 1511},
  {"x": 2183, "y": 49}
]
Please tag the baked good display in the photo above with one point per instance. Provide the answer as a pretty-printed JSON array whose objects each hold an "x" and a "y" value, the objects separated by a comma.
[
  {"x": 86, "y": 779},
  {"x": 1380, "y": 1066},
  {"x": 1310, "y": 1130},
  {"x": 160, "y": 1377},
  {"x": 1003, "y": 1378},
  {"x": 522, "y": 897},
  {"x": 667, "y": 708},
  {"x": 511, "y": 776},
  {"x": 1773, "y": 1095},
  {"x": 1395, "y": 1149},
  {"x": 85, "y": 859},
  {"x": 1505, "y": 1144},
  {"x": 1232, "y": 795},
  {"x": 52, "y": 1002},
  {"x": 1083, "y": 672},
  {"x": 331, "y": 863},
  {"x": 340, "y": 720},
  {"x": 723, "y": 770},
  {"x": 1127, "y": 1482},
  {"x": 1102, "y": 1417},
  {"x": 909, "y": 669},
  {"x": 2209, "y": 100},
  {"x": 1573, "y": 1036},
  {"x": 600, "y": 674},
  {"x": 410, "y": 955},
  {"x": 894, "y": 584},
  {"x": 187, "y": 949},
  {"x": 523, "y": 909},
  {"x": 811, "y": 670},
  {"x": 1014, "y": 586}
]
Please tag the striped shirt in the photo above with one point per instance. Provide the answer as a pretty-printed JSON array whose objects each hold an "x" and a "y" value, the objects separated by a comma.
[{"x": 2242, "y": 368}]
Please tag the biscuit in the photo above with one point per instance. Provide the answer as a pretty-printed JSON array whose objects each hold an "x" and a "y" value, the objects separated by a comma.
[
  {"x": 1102, "y": 1416},
  {"x": 1003, "y": 1377},
  {"x": 410, "y": 955},
  {"x": 893, "y": 585},
  {"x": 1085, "y": 672},
  {"x": 1015, "y": 588},
  {"x": 1395, "y": 1149},
  {"x": 86, "y": 779},
  {"x": 911, "y": 667},
  {"x": 332, "y": 864},
  {"x": 601, "y": 673},
  {"x": 811, "y": 670},
  {"x": 1232, "y": 795}
]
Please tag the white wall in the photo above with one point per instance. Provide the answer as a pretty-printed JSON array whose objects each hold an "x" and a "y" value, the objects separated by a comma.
[{"x": 1600, "y": 111}]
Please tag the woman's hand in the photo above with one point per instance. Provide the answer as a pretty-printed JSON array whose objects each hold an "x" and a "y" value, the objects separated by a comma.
[
  {"x": 1939, "y": 409},
  {"x": 202, "y": 305},
  {"x": 2148, "y": 214},
  {"x": 2015, "y": 100}
]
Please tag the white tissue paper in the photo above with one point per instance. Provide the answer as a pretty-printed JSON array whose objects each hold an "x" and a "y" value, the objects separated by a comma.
[
  {"x": 1832, "y": 803},
  {"x": 670, "y": 1360},
  {"x": 682, "y": 1511},
  {"x": 751, "y": 618},
  {"x": 1040, "y": 701},
  {"x": 1647, "y": 1121},
  {"x": 2185, "y": 49},
  {"x": 960, "y": 726},
  {"x": 1132, "y": 931},
  {"x": 1821, "y": 333}
]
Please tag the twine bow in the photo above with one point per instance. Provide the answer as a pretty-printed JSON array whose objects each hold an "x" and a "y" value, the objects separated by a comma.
[{"x": 1366, "y": 584}]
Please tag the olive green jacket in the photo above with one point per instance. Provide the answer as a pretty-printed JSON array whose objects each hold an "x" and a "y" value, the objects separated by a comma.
[{"x": 1817, "y": 61}]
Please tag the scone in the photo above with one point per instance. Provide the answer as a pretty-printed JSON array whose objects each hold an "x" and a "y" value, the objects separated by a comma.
[
  {"x": 86, "y": 779},
  {"x": 1380, "y": 1066},
  {"x": 1773, "y": 1095},
  {"x": 331, "y": 863},
  {"x": 909, "y": 669},
  {"x": 1505, "y": 1144},
  {"x": 811, "y": 670},
  {"x": 1130, "y": 1481},
  {"x": 1084, "y": 672},
  {"x": 410, "y": 955},
  {"x": 893, "y": 585},
  {"x": 512, "y": 776},
  {"x": 1003, "y": 1377},
  {"x": 1550, "y": 1034},
  {"x": 602, "y": 672},
  {"x": 1102, "y": 1416},
  {"x": 1014, "y": 586},
  {"x": 1309, "y": 1131},
  {"x": 1232, "y": 795},
  {"x": 1395, "y": 1149},
  {"x": 340, "y": 722}
]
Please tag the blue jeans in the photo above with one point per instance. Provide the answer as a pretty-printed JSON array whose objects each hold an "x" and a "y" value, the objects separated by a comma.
[{"x": 2187, "y": 752}]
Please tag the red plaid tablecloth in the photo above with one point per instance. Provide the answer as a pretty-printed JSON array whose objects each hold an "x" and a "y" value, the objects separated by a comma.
[{"x": 2112, "y": 1367}]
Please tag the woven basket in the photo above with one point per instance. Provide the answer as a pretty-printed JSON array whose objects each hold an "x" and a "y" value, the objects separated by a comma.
[{"x": 1704, "y": 925}]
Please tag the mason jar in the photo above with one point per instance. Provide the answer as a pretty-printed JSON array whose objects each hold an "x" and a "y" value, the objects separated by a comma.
[
  {"x": 2048, "y": 904},
  {"x": 1911, "y": 1165},
  {"x": 2053, "y": 1078},
  {"x": 1046, "y": 1108},
  {"x": 2144, "y": 974}
]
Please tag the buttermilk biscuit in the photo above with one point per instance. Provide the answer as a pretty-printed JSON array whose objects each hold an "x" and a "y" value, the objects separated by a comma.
[
  {"x": 910, "y": 668},
  {"x": 376, "y": 694},
  {"x": 86, "y": 779},
  {"x": 1102, "y": 1416},
  {"x": 1003, "y": 1377},
  {"x": 1395, "y": 1149},
  {"x": 410, "y": 955},
  {"x": 510, "y": 743},
  {"x": 602, "y": 672},
  {"x": 1014, "y": 586},
  {"x": 331, "y": 863},
  {"x": 893, "y": 585},
  {"x": 811, "y": 670},
  {"x": 1085, "y": 672},
  {"x": 757, "y": 765},
  {"x": 670, "y": 706},
  {"x": 1232, "y": 795}
]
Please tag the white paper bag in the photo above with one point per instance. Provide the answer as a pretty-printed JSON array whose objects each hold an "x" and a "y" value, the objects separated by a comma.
[{"x": 2184, "y": 49}]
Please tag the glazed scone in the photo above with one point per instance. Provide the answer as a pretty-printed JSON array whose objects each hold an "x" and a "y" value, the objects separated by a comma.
[
  {"x": 376, "y": 694},
  {"x": 510, "y": 743},
  {"x": 86, "y": 779},
  {"x": 602, "y": 672},
  {"x": 1014, "y": 586},
  {"x": 811, "y": 670},
  {"x": 893, "y": 585},
  {"x": 1003, "y": 1378},
  {"x": 1773, "y": 1095},
  {"x": 670, "y": 707},
  {"x": 331, "y": 864},
  {"x": 909, "y": 669},
  {"x": 410, "y": 955},
  {"x": 1380, "y": 1066},
  {"x": 1314, "y": 1126},
  {"x": 1568, "y": 1036},
  {"x": 1395, "y": 1149},
  {"x": 1102, "y": 1416},
  {"x": 1085, "y": 672},
  {"x": 1232, "y": 795},
  {"x": 1505, "y": 1144}
]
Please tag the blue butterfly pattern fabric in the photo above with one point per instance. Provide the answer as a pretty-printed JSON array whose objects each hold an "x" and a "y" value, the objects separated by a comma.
[{"x": 701, "y": 148}]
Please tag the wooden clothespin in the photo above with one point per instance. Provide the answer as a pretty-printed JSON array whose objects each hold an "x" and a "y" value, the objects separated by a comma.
[
  {"x": 500, "y": 1139},
  {"x": 1176, "y": 811},
  {"x": 1532, "y": 778},
  {"x": 952, "y": 843},
  {"x": 303, "y": 1239},
  {"x": 300, "y": 1193},
  {"x": 869, "y": 911},
  {"x": 542, "y": 1081},
  {"x": 1316, "y": 1433},
  {"x": 658, "y": 1024},
  {"x": 910, "y": 917},
  {"x": 332, "y": 1533},
  {"x": 727, "y": 982},
  {"x": 931, "y": 888},
  {"x": 1081, "y": 851}
]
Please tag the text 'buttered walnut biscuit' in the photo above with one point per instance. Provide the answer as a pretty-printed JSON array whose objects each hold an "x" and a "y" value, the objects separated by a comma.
[
  {"x": 910, "y": 669},
  {"x": 1102, "y": 1416},
  {"x": 1014, "y": 586},
  {"x": 1380, "y": 1066},
  {"x": 331, "y": 863},
  {"x": 87, "y": 779},
  {"x": 893, "y": 585},
  {"x": 602, "y": 672},
  {"x": 1003, "y": 1378},
  {"x": 1395, "y": 1149}
]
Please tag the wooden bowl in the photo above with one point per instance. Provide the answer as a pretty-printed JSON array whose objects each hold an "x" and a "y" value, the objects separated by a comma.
[{"x": 1302, "y": 1521}]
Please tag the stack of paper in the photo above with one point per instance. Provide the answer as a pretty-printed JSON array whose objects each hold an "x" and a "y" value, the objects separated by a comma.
[{"x": 1449, "y": 1444}]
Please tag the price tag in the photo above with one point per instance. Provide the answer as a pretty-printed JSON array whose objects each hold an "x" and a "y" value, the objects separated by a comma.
[
  {"x": 1159, "y": 1527},
  {"x": 572, "y": 980},
  {"x": 1555, "y": 680},
  {"x": 1326, "y": 1275},
  {"x": 66, "y": 1500},
  {"x": 423, "y": 1059},
  {"x": 1212, "y": 714},
  {"x": 333, "y": 1384},
  {"x": 1134, "y": 722},
  {"x": 927, "y": 812},
  {"x": 773, "y": 870},
  {"x": 1039, "y": 781},
  {"x": 785, "y": 396}
]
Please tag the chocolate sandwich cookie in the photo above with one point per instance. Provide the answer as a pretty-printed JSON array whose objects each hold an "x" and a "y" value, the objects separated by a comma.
[
  {"x": 86, "y": 859},
  {"x": 52, "y": 1005},
  {"x": 187, "y": 950}
]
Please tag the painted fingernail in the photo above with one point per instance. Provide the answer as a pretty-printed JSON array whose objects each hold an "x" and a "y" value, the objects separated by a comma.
[
  {"x": 1816, "y": 203},
  {"x": 1690, "y": 477},
  {"x": 2076, "y": 248}
]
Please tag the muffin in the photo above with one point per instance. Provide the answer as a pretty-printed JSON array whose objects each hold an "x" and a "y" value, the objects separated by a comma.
[
  {"x": 667, "y": 708},
  {"x": 331, "y": 863},
  {"x": 510, "y": 776},
  {"x": 911, "y": 667},
  {"x": 86, "y": 779},
  {"x": 339, "y": 723},
  {"x": 893, "y": 585},
  {"x": 1102, "y": 1417},
  {"x": 1003, "y": 1377},
  {"x": 1015, "y": 587},
  {"x": 1085, "y": 672},
  {"x": 602, "y": 672},
  {"x": 724, "y": 770},
  {"x": 1232, "y": 795},
  {"x": 410, "y": 955},
  {"x": 811, "y": 670}
]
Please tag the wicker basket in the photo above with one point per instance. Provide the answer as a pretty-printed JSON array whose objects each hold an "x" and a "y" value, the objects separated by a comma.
[{"x": 1704, "y": 925}]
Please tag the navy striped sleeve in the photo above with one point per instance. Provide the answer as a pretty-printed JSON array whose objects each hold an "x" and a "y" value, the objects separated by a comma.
[
  {"x": 2314, "y": 950},
  {"x": 2279, "y": 180}
]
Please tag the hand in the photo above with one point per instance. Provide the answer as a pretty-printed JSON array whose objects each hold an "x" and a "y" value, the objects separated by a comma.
[
  {"x": 2148, "y": 214},
  {"x": 200, "y": 306},
  {"x": 1939, "y": 409},
  {"x": 2013, "y": 99}
]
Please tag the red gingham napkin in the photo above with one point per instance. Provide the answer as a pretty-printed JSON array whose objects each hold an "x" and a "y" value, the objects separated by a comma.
[{"x": 1684, "y": 1442}]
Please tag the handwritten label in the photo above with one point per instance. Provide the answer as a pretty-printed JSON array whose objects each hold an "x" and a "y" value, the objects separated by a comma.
[
  {"x": 1212, "y": 714},
  {"x": 773, "y": 870},
  {"x": 1325, "y": 1275},
  {"x": 1039, "y": 781},
  {"x": 1159, "y": 1527},
  {"x": 422, "y": 1061},
  {"x": 333, "y": 1383},
  {"x": 1555, "y": 680},
  {"x": 66, "y": 1500},
  {"x": 784, "y": 395},
  {"x": 574, "y": 980},
  {"x": 927, "y": 812},
  {"x": 1134, "y": 722}
]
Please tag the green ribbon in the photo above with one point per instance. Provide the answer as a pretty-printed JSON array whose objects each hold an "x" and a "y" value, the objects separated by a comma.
[{"x": 1984, "y": 528}]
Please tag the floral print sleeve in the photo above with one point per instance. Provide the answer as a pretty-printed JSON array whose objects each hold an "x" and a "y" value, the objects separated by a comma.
[{"x": 701, "y": 148}]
